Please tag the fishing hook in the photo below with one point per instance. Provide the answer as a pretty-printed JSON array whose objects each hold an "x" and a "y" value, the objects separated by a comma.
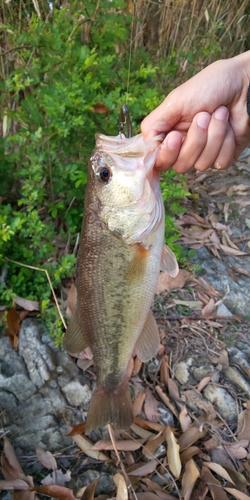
[{"x": 125, "y": 121}]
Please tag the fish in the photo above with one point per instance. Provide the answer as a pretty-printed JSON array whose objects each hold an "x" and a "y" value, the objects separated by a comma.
[{"x": 120, "y": 256}]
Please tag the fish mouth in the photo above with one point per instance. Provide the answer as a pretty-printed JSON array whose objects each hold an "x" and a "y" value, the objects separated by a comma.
[{"x": 133, "y": 147}]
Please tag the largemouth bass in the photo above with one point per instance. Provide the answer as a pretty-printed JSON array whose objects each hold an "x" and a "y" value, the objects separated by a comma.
[{"x": 120, "y": 257}]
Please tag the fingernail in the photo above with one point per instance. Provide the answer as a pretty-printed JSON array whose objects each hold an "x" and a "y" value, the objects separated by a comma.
[
  {"x": 203, "y": 120},
  {"x": 221, "y": 113},
  {"x": 217, "y": 166},
  {"x": 173, "y": 142}
]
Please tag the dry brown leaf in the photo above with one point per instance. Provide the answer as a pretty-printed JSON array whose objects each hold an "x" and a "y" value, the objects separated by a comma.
[
  {"x": 13, "y": 324},
  {"x": 237, "y": 449},
  {"x": 86, "y": 445},
  {"x": 173, "y": 390},
  {"x": 77, "y": 429},
  {"x": 196, "y": 398},
  {"x": 164, "y": 373},
  {"x": 206, "y": 285},
  {"x": 137, "y": 364},
  {"x": 244, "y": 423},
  {"x": 138, "y": 403},
  {"x": 203, "y": 383},
  {"x": 189, "y": 478},
  {"x": 151, "y": 406},
  {"x": 13, "y": 484},
  {"x": 232, "y": 251},
  {"x": 55, "y": 491},
  {"x": 150, "y": 447},
  {"x": 122, "y": 490},
  {"x": 166, "y": 400},
  {"x": 28, "y": 305},
  {"x": 145, "y": 424},
  {"x": 130, "y": 367},
  {"x": 122, "y": 445},
  {"x": 190, "y": 436},
  {"x": 144, "y": 469},
  {"x": 192, "y": 304},
  {"x": 46, "y": 458},
  {"x": 189, "y": 453},
  {"x": 89, "y": 491},
  {"x": 140, "y": 431},
  {"x": 173, "y": 453},
  {"x": 71, "y": 299},
  {"x": 167, "y": 283},
  {"x": 11, "y": 468},
  {"x": 209, "y": 308},
  {"x": 184, "y": 418},
  {"x": 100, "y": 108},
  {"x": 237, "y": 494},
  {"x": 218, "y": 469},
  {"x": 214, "y": 485},
  {"x": 237, "y": 478}
]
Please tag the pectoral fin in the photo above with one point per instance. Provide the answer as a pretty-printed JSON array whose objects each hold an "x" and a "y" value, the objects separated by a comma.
[
  {"x": 169, "y": 264},
  {"x": 74, "y": 340},
  {"x": 138, "y": 264},
  {"x": 148, "y": 343}
]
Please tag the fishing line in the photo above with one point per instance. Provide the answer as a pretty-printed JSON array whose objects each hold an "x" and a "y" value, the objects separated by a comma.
[{"x": 130, "y": 52}]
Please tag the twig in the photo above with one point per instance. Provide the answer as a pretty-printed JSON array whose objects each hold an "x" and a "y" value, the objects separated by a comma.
[{"x": 50, "y": 284}]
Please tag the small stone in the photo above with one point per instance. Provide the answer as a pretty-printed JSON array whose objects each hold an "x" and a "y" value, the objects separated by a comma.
[
  {"x": 237, "y": 378},
  {"x": 166, "y": 416},
  {"x": 223, "y": 311},
  {"x": 76, "y": 393},
  {"x": 224, "y": 403},
  {"x": 182, "y": 373}
]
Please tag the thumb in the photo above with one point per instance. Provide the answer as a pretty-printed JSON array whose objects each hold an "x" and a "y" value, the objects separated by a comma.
[{"x": 162, "y": 119}]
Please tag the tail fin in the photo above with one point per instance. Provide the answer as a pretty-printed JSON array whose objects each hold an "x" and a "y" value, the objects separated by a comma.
[{"x": 108, "y": 407}]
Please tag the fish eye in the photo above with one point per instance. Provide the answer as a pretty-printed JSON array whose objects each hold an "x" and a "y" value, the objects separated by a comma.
[{"x": 104, "y": 174}]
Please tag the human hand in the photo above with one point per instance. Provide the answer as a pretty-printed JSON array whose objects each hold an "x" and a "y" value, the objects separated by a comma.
[{"x": 205, "y": 119}]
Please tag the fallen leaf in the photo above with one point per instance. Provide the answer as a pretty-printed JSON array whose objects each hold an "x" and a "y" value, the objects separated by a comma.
[
  {"x": 150, "y": 447},
  {"x": 125, "y": 445},
  {"x": 192, "y": 304},
  {"x": 209, "y": 308},
  {"x": 237, "y": 478},
  {"x": 55, "y": 491},
  {"x": 189, "y": 453},
  {"x": 184, "y": 418},
  {"x": 173, "y": 390},
  {"x": 189, "y": 478},
  {"x": 122, "y": 490},
  {"x": 138, "y": 403},
  {"x": 166, "y": 400},
  {"x": 237, "y": 449},
  {"x": 164, "y": 372},
  {"x": 205, "y": 381},
  {"x": 232, "y": 251},
  {"x": 11, "y": 468},
  {"x": 89, "y": 491},
  {"x": 218, "y": 469},
  {"x": 137, "y": 364},
  {"x": 140, "y": 431},
  {"x": 145, "y": 424},
  {"x": 144, "y": 469},
  {"x": 190, "y": 436},
  {"x": 173, "y": 453},
  {"x": 167, "y": 283},
  {"x": 77, "y": 429},
  {"x": 244, "y": 423},
  {"x": 46, "y": 458},
  {"x": 13, "y": 484},
  {"x": 237, "y": 494},
  {"x": 86, "y": 446},
  {"x": 214, "y": 485},
  {"x": 28, "y": 305},
  {"x": 13, "y": 324},
  {"x": 196, "y": 398},
  {"x": 151, "y": 406}
]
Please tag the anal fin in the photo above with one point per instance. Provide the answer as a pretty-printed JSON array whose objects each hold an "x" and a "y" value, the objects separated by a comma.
[
  {"x": 74, "y": 340},
  {"x": 169, "y": 264},
  {"x": 148, "y": 343}
]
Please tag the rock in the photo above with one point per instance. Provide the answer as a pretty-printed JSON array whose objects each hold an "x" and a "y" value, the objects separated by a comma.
[
  {"x": 224, "y": 403},
  {"x": 182, "y": 372},
  {"x": 39, "y": 381},
  {"x": 223, "y": 311},
  {"x": 237, "y": 379}
]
